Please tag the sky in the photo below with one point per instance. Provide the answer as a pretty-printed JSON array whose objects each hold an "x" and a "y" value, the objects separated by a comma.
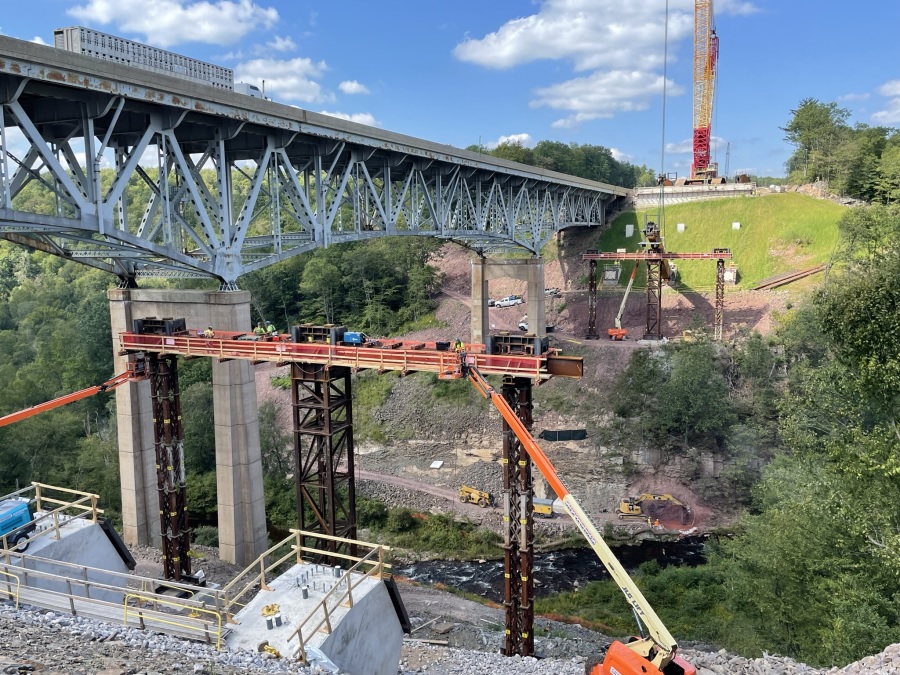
[{"x": 468, "y": 72}]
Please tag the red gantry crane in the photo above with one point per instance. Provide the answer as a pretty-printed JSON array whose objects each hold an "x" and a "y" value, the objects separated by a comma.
[{"x": 706, "y": 54}]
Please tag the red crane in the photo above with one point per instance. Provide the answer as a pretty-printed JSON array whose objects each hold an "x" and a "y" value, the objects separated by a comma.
[{"x": 706, "y": 54}]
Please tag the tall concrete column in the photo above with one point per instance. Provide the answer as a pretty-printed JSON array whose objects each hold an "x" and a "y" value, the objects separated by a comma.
[
  {"x": 480, "y": 319},
  {"x": 530, "y": 270},
  {"x": 241, "y": 502}
]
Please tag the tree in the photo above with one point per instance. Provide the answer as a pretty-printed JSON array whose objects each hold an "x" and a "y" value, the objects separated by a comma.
[
  {"x": 815, "y": 128},
  {"x": 322, "y": 278}
]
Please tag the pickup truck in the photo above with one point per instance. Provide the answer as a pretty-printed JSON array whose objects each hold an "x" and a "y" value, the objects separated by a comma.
[
  {"x": 16, "y": 522},
  {"x": 509, "y": 301}
]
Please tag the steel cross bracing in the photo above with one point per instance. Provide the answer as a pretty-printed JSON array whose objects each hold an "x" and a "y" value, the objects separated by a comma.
[{"x": 227, "y": 184}]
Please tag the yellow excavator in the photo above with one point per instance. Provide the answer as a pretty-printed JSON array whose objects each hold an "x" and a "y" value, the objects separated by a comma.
[
  {"x": 649, "y": 504},
  {"x": 653, "y": 654}
]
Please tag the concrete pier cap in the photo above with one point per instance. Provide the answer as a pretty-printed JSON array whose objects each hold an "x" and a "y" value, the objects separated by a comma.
[{"x": 239, "y": 485}]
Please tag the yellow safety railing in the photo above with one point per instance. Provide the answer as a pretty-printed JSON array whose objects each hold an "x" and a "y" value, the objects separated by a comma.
[
  {"x": 233, "y": 593},
  {"x": 8, "y": 590},
  {"x": 341, "y": 592},
  {"x": 82, "y": 507},
  {"x": 192, "y": 622}
]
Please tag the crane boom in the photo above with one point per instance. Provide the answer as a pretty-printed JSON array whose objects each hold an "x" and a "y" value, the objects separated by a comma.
[
  {"x": 660, "y": 648},
  {"x": 706, "y": 54},
  {"x": 135, "y": 372}
]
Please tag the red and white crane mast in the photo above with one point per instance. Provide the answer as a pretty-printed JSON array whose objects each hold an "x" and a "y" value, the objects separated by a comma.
[{"x": 706, "y": 54}]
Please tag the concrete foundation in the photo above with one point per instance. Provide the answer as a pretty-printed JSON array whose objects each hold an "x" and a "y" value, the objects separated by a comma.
[
  {"x": 241, "y": 503},
  {"x": 365, "y": 639},
  {"x": 530, "y": 271},
  {"x": 81, "y": 542}
]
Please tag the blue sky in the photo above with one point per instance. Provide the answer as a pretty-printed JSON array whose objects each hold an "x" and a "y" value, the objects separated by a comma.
[{"x": 584, "y": 71}]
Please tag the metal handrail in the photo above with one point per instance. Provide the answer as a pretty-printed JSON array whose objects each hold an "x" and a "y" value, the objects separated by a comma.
[
  {"x": 295, "y": 550},
  {"x": 190, "y": 622},
  {"x": 9, "y": 590},
  {"x": 345, "y": 579}
]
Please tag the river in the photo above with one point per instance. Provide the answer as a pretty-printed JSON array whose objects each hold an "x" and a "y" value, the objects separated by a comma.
[{"x": 554, "y": 571}]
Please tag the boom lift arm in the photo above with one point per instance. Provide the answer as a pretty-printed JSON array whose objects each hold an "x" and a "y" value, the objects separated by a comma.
[
  {"x": 619, "y": 333},
  {"x": 647, "y": 656},
  {"x": 136, "y": 371}
]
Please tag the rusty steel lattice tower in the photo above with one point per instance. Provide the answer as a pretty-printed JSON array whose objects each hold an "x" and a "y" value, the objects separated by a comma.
[
  {"x": 168, "y": 443},
  {"x": 720, "y": 298},
  {"x": 592, "y": 302},
  {"x": 654, "y": 300},
  {"x": 519, "y": 519},
  {"x": 323, "y": 453}
]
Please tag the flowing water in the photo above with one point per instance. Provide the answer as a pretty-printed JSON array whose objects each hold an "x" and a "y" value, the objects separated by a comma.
[{"x": 555, "y": 571}]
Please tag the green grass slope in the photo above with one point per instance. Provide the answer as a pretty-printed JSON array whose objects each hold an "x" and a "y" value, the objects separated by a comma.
[{"x": 779, "y": 233}]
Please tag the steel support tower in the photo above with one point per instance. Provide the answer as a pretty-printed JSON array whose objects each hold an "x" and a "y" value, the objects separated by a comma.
[
  {"x": 720, "y": 298},
  {"x": 654, "y": 300},
  {"x": 168, "y": 444},
  {"x": 323, "y": 453},
  {"x": 592, "y": 303},
  {"x": 518, "y": 559}
]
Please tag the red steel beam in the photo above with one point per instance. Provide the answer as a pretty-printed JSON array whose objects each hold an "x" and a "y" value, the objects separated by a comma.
[
  {"x": 407, "y": 357},
  {"x": 655, "y": 256}
]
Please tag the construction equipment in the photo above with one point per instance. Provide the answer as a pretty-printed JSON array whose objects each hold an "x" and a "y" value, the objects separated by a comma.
[
  {"x": 651, "y": 505},
  {"x": 619, "y": 333},
  {"x": 706, "y": 55},
  {"x": 654, "y": 654},
  {"x": 136, "y": 371},
  {"x": 470, "y": 495},
  {"x": 543, "y": 508}
]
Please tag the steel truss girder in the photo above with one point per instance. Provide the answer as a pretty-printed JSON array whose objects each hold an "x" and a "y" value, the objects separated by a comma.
[
  {"x": 302, "y": 190},
  {"x": 322, "y": 412},
  {"x": 168, "y": 443},
  {"x": 518, "y": 516}
]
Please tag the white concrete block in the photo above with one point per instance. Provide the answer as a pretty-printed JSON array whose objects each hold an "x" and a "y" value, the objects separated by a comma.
[
  {"x": 680, "y": 227},
  {"x": 735, "y": 226},
  {"x": 629, "y": 230}
]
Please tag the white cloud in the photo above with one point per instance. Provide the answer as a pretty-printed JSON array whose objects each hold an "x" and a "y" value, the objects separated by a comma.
[
  {"x": 360, "y": 118},
  {"x": 615, "y": 42},
  {"x": 288, "y": 80},
  {"x": 281, "y": 44},
  {"x": 39, "y": 40},
  {"x": 891, "y": 88},
  {"x": 891, "y": 114},
  {"x": 165, "y": 23},
  {"x": 525, "y": 140},
  {"x": 353, "y": 87},
  {"x": 853, "y": 97},
  {"x": 601, "y": 94},
  {"x": 620, "y": 156},
  {"x": 592, "y": 33}
]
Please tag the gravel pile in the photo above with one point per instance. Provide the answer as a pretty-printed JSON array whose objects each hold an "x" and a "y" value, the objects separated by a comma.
[{"x": 34, "y": 640}]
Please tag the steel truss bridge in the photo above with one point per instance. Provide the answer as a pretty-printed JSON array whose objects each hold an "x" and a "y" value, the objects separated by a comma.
[{"x": 231, "y": 184}]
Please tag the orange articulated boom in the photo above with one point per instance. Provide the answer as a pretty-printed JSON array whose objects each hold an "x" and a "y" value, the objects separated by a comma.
[
  {"x": 653, "y": 655},
  {"x": 135, "y": 372}
]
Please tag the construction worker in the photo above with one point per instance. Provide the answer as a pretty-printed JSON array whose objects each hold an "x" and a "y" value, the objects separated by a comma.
[
  {"x": 259, "y": 330},
  {"x": 271, "y": 331},
  {"x": 458, "y": 346},
  {"x": 209, "y": 332}
]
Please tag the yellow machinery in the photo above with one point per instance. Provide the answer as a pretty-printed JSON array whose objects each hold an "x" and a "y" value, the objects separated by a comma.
[
  {"x": 543, "y": 508},
  {"x": 648, "y": 505},
  {"x": 470, "y": 495}
]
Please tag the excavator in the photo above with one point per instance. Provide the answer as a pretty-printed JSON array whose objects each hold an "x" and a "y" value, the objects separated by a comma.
[
  {"x": 619, "y": 333},
  {"x": 653, "y": 654},
  {"x": 648, "y": 504},
  {"x": 137, "y": 370}
]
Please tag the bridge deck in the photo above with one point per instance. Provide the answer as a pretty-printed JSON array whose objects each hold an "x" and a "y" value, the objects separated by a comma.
[{"x": 395, "y": 355}]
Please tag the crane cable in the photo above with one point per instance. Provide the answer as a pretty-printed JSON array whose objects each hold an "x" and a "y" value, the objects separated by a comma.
[{"x": 662, "y": 153}]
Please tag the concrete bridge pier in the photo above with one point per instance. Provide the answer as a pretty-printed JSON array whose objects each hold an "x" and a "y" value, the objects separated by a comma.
[
  {"x": 239, "y": 485},
  {"x": 530, "y": 270}
]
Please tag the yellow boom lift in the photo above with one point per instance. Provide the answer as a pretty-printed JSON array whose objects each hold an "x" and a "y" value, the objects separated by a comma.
[{"x": 654, "y": 654}]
